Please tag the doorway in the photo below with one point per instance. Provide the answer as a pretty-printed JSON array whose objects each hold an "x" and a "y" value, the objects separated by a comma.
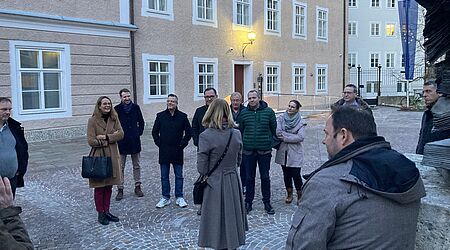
[{"x": 242, "y": 77}]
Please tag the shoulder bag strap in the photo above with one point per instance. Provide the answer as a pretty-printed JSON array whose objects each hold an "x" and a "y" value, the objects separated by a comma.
[{"x": 223, "y": 155}]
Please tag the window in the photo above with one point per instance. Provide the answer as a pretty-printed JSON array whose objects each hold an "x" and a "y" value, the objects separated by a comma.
[
  {"x": 352, "y": 28},
  {"x": 372, "y": 85},
  {"x": 375, "y": 3},
  {"x": 158, "y": 8},
  {"x": 390, "y": 29},
  {"x": 272, "y": 76},
  {"x": 400, "y": 85},
  {"x": 374, "y": 60},
  {"x": 242, "y": 10},
  {"x": 299, "y": 27},
  {"x": 321, "y": 78},
  {"x": 390, "y": 60},
  {"x": 368, "y": 87},
  {"x": 298, "y": 78},
  {"x": 41, "y": 80},
  {"x": 272, "y": 16},
  {"x": 322, "y": 24},
  {"x": 352, "y": 3},
  {"x": 375, "y": 29},
  {"x": 391, "y": 3},
  {"x": 205, "y": 70},
  {"x": 205, "y": 12},
  {"x": 158, "y": 77},
  {"x": 352, "y": 56}
]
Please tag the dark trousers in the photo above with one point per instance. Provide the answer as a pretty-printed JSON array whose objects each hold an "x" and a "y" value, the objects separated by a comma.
[
  {"x": 102, "y": 198},
  {"x": 242, "y": 174},
  {"x": 250, "y": 162},
  {"x": 290, "y": 174}
]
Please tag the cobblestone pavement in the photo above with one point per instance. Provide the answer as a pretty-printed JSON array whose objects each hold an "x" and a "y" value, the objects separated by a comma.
[{"x": 59, "y": 210}]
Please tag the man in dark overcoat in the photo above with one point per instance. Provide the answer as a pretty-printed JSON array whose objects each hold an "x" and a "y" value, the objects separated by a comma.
[
  {"x": 210, "y": 94},
  {"x": 13, "y": 147},
  {"x": 132, "y": 122},
  {"x": 171, "y": 133}
]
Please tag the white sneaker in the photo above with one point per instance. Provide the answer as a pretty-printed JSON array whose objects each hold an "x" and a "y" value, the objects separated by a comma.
[
  {"x": 181, "y": 202},
  {"x": 163, "y": 202}
]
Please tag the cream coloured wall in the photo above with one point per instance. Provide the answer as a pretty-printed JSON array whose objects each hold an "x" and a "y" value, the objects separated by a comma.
[
  {"x": 184, "y": 41},
  {"x": 99, "y": 66},
  {"x": 100, "y": 10}
]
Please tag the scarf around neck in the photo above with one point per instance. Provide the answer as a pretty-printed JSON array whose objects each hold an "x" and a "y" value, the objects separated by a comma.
[
  {"x": 291, "y": 122},
  {"x": 127, "y": 107}
]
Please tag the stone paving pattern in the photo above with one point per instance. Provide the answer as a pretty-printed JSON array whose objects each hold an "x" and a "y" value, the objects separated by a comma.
[{"x": 59, "y": 212}]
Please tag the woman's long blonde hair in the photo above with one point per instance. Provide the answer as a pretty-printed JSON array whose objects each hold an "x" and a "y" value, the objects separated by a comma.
[
  {"x": 217, "y": 111},
  {"x": 98, "y": 113}
]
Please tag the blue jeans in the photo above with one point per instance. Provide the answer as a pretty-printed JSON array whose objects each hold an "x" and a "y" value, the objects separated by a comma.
[
  {"x": 263, "y": 162},
  {"x": 165, "y": 181}
]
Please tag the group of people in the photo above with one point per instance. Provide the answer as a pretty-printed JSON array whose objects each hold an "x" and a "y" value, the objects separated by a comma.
[{"x": 366, "y": 195}]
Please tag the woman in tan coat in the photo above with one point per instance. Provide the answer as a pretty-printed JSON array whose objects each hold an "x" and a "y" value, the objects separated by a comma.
[{"x": 103, "y": 132}]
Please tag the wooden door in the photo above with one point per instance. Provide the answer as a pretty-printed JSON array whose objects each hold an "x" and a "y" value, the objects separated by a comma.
[{"x": 239, "y": 78}]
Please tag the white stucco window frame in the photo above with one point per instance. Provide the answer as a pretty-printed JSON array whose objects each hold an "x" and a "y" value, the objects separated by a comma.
[
  {"x": 296, "y": 3},
  {"x": 168, "y": 14},
  {"x": 325, "y": 90},
  {"x": 243, "y": 27},
  {"x": 356, "y": 57},
  {"x": 146, "y": 58},
  {"x": 65, "y": 85},
  {"x": 205, "y": 22},
  {"x": 370, "y": 59},
  {"x": 319, "y": 38},
  {"x": 266, "y": 30},
  {"x": 276, "y": 65},
  {"x": 379, "y": 29},
  {"x": 198, "y": 60},
  {"x": 356, "y": 28},
  {"x": 393, "y": 62},
  {"x": 299, "y": 65},
  {"x": 354, "y": 7}
]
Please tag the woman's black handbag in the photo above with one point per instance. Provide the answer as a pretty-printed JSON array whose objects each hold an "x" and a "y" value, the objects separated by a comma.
[
  {"x": 96, "y": 167},
  {"x": 200, "y": 183}
]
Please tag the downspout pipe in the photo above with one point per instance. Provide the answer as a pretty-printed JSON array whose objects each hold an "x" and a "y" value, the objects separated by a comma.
[
  {"x": 133, "y": 54},
  {"x": 344, "y": 44}
]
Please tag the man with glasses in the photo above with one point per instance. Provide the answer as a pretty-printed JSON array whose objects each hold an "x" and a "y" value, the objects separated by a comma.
[
  {"x": 210, "y": 94},
  {"x": 351, "y": 99}
]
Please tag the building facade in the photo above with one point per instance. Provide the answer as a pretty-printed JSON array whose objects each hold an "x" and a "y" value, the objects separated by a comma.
[
  {"x": 374, "y": 39},
  {"x": 56, "y": 60}
]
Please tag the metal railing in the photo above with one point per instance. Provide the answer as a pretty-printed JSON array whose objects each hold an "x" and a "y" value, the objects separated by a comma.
[{"x": 280, "y": 101}]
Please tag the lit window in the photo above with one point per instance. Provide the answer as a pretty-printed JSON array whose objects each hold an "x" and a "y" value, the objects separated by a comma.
[{"x": 390, "y": 29}]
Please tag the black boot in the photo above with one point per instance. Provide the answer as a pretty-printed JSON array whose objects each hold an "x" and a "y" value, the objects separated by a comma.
[
  {"x": 248, "y": 207},
  {"x": 111, "y": 217},
  {"x": 102, "y": 219},
  {"x": 268, "y": 208}
]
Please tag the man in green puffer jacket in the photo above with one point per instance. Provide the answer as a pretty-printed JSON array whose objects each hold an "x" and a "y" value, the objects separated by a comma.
[{"x": 258, "y": 124}]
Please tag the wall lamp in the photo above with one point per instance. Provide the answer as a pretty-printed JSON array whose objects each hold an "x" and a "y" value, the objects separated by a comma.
[{"x": 251, "y": 36}]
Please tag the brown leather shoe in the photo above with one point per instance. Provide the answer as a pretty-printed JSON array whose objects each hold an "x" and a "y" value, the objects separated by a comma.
[
  {"x": 289, "y": 197},
  {"x": 138, "y": 191},
  {"x": 119, "y": 195}
]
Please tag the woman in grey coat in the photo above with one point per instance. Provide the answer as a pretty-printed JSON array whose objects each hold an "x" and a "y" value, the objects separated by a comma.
[
  {"x": 291, "y": 131},
  {"x": 223, "y": 219}
]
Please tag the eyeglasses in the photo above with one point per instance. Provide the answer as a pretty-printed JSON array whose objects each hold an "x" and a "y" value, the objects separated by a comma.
[{"x": 209, "y": 96}]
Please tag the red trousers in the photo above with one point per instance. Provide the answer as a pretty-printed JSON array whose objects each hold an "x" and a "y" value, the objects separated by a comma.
[{"x": 102, "y": 198}]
